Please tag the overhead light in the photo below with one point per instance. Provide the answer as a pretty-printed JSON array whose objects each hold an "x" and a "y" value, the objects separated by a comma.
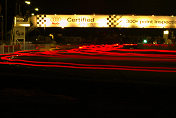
[
  {"x": 36, "y": 9},
  {"x": 28, "y": 2},
  {"x": 32, "y": 14}
]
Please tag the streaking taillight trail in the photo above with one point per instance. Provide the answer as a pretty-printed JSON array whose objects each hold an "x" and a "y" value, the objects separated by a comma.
[{"x": 112, "y": 57}]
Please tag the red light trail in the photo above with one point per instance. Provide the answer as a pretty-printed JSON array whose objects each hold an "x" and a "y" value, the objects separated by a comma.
[{"x": 87, "y": 56}]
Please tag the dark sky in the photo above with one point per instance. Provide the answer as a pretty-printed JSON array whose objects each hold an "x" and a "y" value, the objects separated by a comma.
[
  {"x": 157, "y": 7},
  {"x": 138, "y": 7}
]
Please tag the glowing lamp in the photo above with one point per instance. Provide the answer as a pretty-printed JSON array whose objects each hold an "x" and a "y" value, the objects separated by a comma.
[
  {"x": 144, "y": 41},
  {"x": 36, "y": 9},
  {"x": 166, "y": 32},
  {"x": 28, "y": 2}
]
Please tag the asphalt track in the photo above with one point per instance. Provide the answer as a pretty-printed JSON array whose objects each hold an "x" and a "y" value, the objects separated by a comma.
[{"x": 90, "y": 81}]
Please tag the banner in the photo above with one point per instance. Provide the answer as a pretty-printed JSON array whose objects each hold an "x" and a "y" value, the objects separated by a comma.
[{"x": 107, "y": 21}]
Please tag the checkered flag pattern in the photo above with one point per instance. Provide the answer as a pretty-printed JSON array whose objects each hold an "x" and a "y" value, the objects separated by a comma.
[
  {"x": 113, "y": 21},
  {"x": 41, "y": 20}
]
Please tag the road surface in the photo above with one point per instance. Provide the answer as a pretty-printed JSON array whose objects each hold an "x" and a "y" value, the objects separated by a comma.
[{"x": 89, "y": 81}]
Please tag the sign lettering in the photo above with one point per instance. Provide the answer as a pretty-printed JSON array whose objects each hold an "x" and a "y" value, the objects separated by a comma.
[{"x": 116, "y": 21}]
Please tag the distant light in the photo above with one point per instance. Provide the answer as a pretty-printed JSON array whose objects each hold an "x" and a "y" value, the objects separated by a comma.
[
  {"x": 172, "y": 16},
  {"x": 32, "y": 14},
  {"x": 15, "y": 19},
  {"x": 36, "y": 9},
  {"x": 166, "y": 32},
  {"x": 51, "y": 35},
  {"x": 153, "y": 15},
  {"x": 28, "y": 2},
  {"x": 144, "y": 41},
  {"x": 24, "y": 25}
]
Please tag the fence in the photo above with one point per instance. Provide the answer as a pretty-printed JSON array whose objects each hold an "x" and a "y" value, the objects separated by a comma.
[{"x": 5, "y": 49}]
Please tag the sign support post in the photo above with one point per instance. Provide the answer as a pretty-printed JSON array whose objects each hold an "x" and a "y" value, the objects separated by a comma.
[{"x": 20, "y": 35}]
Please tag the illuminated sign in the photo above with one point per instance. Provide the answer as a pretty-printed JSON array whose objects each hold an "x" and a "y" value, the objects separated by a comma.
[
  {"x": 21, "y": 22},
  {"x": 114, "y": 21},
  {"x": 19, "y": 32}
]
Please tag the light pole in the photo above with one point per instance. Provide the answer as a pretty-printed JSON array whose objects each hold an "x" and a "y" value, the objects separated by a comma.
[
  {"x": 27, "y": 8},
  {"x": 2, "y": 29},
  {"x": 5, "y": 21}
]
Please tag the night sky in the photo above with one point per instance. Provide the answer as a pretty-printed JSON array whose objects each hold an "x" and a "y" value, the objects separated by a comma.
[{"x": 140, "y": 7}]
